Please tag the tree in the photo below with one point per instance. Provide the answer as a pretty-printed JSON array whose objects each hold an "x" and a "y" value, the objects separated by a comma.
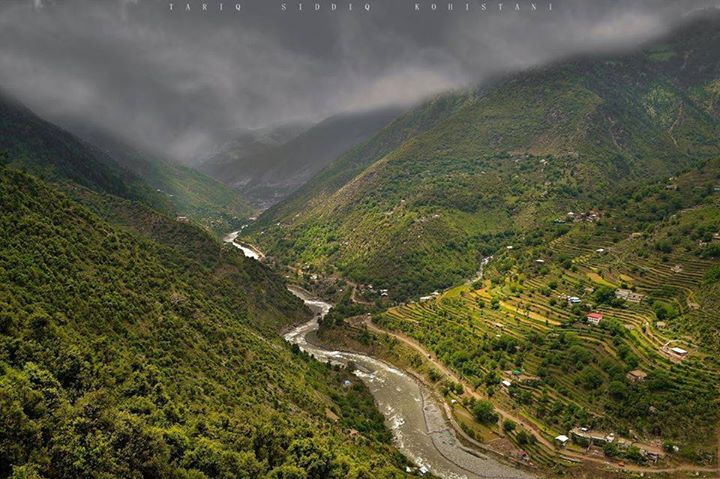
[
  {"x": 509, "y": 425},
  {"x": 484, "y": 411}
]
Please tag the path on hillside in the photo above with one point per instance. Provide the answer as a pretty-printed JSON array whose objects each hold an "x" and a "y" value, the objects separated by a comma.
[{"x": 507, "y": 415}]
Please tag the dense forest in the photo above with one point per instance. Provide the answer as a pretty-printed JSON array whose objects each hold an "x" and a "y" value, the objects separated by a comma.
[{"x": 121, "y": 356}]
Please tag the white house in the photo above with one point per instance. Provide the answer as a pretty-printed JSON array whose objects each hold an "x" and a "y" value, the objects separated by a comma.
[{"x": 679, "y": 351}]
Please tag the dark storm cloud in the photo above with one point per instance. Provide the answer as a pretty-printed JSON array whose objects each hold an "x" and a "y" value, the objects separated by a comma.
[{"x": 173, "y": 80}]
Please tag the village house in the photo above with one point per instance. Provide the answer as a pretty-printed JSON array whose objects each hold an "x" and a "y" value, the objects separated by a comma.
[
  {"x": 629, "y": 295},
  {"x": 636, "y": 376},
  {"x": 677, "y": 268},
  {"x": 573, "y": 300},
  {"x": 597, "y": 438},
  {"x": 562, "y": 440},
  {"x": 182, "y": 219},
  {"x": 594, "y": 318},
  {"x": 678, "y": 351},
  {"x": 506, "y": 384}
]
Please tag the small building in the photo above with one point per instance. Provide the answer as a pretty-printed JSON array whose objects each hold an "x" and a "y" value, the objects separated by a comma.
[
  {"x": 540, "y": 261},
  {"x": 574, "y": 300},
  {"x": 182, "y": 219},
  {"x": 594, "y": 318},
  {"x": 506, "y": 383},
  {"x": 629, "y": 295},
  {"x": 677, "y": 268},
  {"x": 636, "y": 376},
  {"x": 509, "y": 247},
  {"x": 600, "y": 250},
  {"x": 562, "y": 440},
  {"x": 679, "y": 351},
  {"x": 716, "y": 237},
  {"x": 597, "y": 438}
]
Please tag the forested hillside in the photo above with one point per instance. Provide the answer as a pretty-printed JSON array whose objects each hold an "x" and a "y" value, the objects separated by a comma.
[
  {"x": 126, "y": 357},
  {"x": 202, "y": 199},
  {"x": 34, "y": 144},
  {"x": 420, "y": 206}
]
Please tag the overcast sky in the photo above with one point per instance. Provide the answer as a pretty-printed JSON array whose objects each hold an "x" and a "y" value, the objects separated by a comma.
[{"x": 171, "y": 79}]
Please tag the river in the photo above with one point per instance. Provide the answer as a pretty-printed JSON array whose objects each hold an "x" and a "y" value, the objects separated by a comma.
[
  {"x": 250, "y": 253},
  {"x": 419, "y": 427}
]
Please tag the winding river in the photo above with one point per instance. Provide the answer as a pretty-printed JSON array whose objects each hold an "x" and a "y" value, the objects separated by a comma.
[{"x": 419, "y": 427}]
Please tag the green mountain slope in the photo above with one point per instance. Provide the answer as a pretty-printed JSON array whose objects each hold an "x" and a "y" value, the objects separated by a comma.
[
  {"x": 124, "y": 357},
  {"x": 527, "y": 149},
  {"x": 45, "y": 149},
  {"x": 268, "y": 174},
  {"x": 202, "y": 199}
]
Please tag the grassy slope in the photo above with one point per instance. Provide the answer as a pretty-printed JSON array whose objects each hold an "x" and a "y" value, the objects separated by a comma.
[
  {"x": 122, "y": 357},
  {"x": 536, "y": 145}
]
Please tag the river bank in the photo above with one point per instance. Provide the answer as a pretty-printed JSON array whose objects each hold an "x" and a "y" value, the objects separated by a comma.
[{"x": 416, "y": 417}]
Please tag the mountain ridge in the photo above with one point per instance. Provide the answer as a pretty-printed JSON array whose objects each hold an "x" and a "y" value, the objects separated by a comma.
[{"x": 546, "y": 141}]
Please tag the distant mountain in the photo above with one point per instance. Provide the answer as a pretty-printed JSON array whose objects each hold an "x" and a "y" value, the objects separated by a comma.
[
  {"x": 192, "y": 193},
  {"x": 416, "y": 207},
  {"x": 29, "y": 142},
  {"x": 239, "y": 143},
  {"x": 267, "y": 170}
]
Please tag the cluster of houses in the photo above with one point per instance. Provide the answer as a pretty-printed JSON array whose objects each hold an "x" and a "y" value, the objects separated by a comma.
[
  {"x": 382, "y": 292},
  {"x": 432, "y": 295},
  {"x": 590, "y": 216},
  {"x": 588, "y": 438}
]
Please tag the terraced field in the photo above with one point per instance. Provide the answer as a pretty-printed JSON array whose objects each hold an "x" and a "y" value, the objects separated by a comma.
[{"x": 518, "y": 326}]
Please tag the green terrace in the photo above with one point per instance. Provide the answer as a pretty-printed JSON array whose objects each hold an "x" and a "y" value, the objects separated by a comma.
[{"x": 519, "y": 326}]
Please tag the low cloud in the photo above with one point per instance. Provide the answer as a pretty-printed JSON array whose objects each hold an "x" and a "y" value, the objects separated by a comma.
[{"x": 172, "y": 81}]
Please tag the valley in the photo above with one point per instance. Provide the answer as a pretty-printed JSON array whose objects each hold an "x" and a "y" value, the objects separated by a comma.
[
  {"x": 589, "y": 346},
  {"x": 513, "y": 277}
]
